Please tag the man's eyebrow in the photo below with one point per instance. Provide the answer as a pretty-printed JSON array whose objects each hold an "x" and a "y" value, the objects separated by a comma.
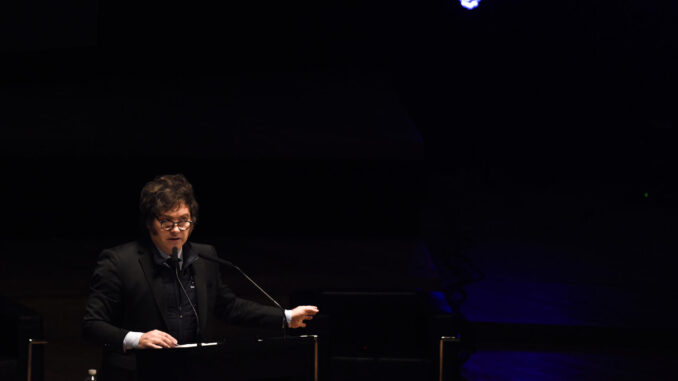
[{"x": 182, "y": 217}]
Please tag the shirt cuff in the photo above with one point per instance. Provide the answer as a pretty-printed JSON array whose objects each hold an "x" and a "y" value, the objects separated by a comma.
[
  {"x": 288, "y": 316},
  {"x": 131, "y": 340}
]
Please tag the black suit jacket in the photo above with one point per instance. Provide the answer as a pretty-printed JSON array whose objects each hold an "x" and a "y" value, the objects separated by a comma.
[{"x": 126, "y": 294}]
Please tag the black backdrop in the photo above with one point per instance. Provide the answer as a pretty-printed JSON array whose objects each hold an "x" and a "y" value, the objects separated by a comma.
[{"x": 326, "y": 139}]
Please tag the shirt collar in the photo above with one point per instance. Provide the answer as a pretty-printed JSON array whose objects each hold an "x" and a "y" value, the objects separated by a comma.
[
  {"x": 185, "y": 256},
  {"x": 166, "y": 256}
]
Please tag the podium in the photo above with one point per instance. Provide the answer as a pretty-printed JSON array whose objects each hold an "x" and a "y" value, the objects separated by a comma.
[{"x": 288, "y": 359}]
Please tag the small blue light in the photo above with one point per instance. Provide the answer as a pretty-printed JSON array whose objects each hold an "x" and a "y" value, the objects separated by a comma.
[{"x": 469, "y": 4}]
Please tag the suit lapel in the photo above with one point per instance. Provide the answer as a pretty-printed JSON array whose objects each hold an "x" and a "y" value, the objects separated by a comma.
[{"x": 154, "y": 282}]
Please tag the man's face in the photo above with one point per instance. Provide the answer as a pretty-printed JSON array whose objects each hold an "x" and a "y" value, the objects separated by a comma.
[{"x": 165, "y": 240}]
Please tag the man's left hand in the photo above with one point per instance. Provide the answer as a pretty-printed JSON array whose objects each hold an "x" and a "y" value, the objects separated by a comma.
[{"x": 302, "y": 313}]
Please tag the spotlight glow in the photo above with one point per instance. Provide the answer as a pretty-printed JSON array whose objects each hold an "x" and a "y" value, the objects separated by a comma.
[{"x": 469, "y": 4}]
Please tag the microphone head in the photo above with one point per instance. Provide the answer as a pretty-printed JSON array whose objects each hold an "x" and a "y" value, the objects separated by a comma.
[{"x": 173, "y": 260}]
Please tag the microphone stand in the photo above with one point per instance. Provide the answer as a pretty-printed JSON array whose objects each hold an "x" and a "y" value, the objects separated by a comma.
[
  {"x": 174, "y": 263},
  {"x": 230, "y": 264}
]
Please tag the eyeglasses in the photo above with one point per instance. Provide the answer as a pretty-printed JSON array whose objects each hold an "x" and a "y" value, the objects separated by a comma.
[{"x": 169, "y": 225}]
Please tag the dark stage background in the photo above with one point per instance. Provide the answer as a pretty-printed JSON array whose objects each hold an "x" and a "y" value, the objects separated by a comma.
[{"x": 518, "y": 157}]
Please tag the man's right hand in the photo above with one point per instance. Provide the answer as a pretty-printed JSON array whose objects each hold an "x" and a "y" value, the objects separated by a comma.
[{"x": 157, "y": 339}]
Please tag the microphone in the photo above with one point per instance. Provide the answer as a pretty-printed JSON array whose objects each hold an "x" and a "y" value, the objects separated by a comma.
[
  {"x": 174, "y": 263},
  {"x": 173, "y": 260},
  {"x": 230, "y": 264}
]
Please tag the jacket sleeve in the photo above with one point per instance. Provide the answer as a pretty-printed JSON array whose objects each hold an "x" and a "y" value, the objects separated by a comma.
[
  {"x": 237, "y": 310},
  {"x": 242, "y": 311},
  {"x": 103, "y": 312}
]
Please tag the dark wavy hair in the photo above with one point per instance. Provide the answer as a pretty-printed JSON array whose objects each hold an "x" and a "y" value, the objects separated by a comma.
[{"x": 165, "y": 193}]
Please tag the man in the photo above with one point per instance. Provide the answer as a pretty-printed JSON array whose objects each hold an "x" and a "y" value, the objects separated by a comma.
[{"x": 159, "y": 292}]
